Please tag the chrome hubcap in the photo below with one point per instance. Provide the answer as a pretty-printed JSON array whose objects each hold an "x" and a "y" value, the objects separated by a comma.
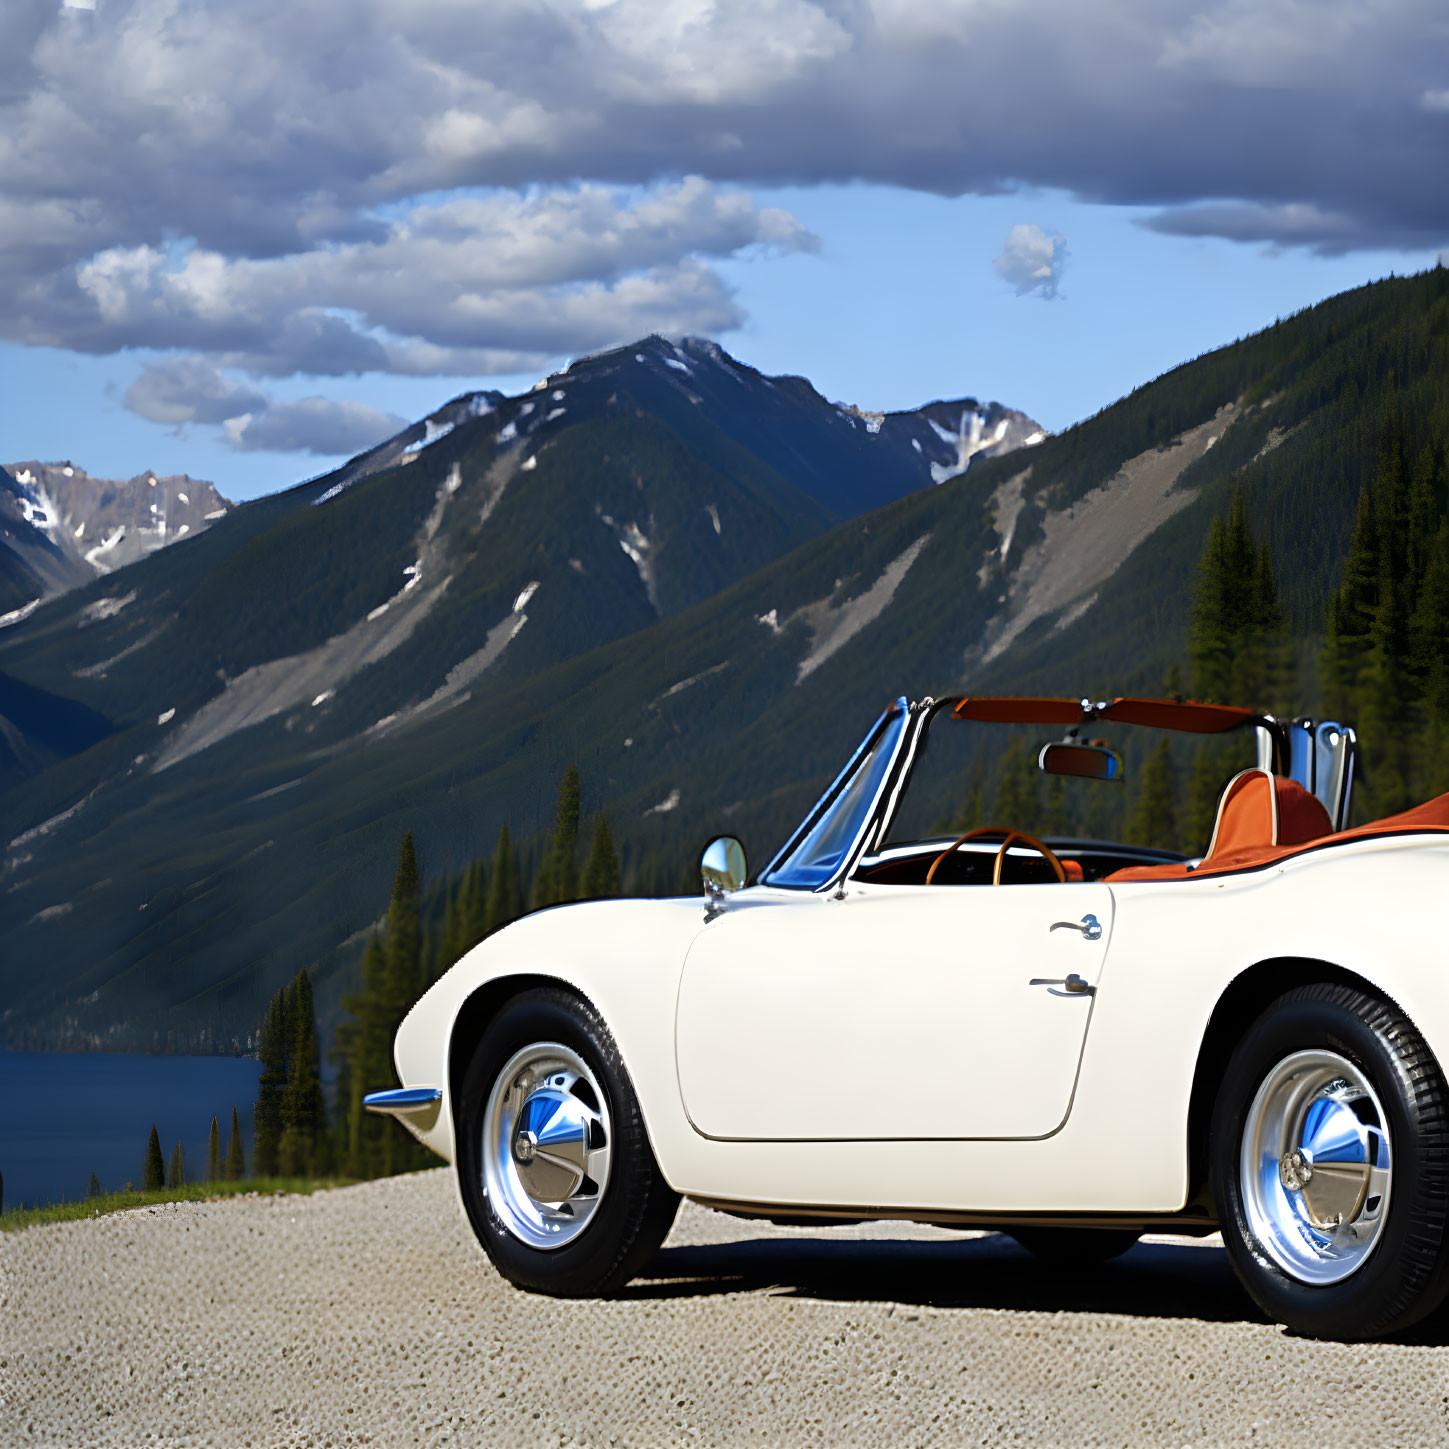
[
  {"x": 1317, "y": 1167},
  {"x": 547, "y": 1145}
]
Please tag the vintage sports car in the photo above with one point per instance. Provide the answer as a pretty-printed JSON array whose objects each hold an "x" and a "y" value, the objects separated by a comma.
[{"x": 1068, "y": 1040}]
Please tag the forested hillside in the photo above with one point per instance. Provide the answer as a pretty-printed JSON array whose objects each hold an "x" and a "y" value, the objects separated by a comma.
[{"x": 1110, "y": 559}]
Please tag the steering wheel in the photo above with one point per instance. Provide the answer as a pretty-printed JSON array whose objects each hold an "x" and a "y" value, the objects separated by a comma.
[{"x": 1011, "y": 835}]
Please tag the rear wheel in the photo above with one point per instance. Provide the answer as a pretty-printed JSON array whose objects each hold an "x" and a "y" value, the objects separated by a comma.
[
  {"x": 1330, "y": 1165},
  {"x": 557, "y": 1174}
]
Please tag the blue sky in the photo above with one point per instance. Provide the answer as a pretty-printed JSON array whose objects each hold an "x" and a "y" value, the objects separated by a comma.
[{"x": 222, "y": 254}]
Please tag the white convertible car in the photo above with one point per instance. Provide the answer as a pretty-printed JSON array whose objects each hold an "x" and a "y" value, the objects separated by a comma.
[{"x": 1071, "y": 1041}]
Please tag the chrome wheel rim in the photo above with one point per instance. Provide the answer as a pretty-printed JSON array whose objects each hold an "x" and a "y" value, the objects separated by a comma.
[
  {"x": 1316, "y": 1167},
  {"x": 547, "y": 1145}
]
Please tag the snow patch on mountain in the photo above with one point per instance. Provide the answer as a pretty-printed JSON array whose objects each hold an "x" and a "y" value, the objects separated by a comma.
[
  {"x": 970, "y": 439},
  {"x": 638, "y": 546},
  {"x": 106, "y": 608},
  {"x": 16, "y": 615},
  {"x": 96, "y": 557}
]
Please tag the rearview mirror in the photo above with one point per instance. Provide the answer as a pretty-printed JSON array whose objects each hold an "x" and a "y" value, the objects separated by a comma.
[
  {"x": 723, "y": 866},
  {"x": 1083, "y": 762}
]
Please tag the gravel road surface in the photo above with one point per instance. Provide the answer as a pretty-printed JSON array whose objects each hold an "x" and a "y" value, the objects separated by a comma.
[{"x": 369, "y": 1316}]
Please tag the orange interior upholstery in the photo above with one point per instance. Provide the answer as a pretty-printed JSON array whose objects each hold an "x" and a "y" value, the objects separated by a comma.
[
  {"x": 1301, "y": 814},
  {"x": 1247, "y": 815},
  {"x": 1296, "y": 817},
  {"x": 1258, "y": 809},
  {"x": 1258, "y": 815},
  {"x": 1073, "y": 869}
]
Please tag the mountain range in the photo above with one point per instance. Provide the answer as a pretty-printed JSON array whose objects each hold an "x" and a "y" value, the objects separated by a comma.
[
  {"x": 696, "y": 583},
  {"x": 483, "y": 546},
  {"x": 60, "y": 527}
]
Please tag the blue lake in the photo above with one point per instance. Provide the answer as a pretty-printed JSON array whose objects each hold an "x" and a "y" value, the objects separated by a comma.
[{"x": 68, "y": 1114}]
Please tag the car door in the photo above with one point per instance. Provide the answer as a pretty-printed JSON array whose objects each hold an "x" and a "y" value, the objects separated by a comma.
[{"x": 895, "y": 1012}]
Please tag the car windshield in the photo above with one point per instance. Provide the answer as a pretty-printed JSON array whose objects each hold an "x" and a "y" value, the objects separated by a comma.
[
  {"x": 969, "y": 774},
  {"x": 840, "y": 816}
]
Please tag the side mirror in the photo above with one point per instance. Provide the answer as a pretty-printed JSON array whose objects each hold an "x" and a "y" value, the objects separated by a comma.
[
  {"x": 1082, "y": 762},
  {"x": 723, "y": 867}
]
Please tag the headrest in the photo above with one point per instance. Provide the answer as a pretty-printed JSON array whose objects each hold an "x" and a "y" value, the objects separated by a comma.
[{"x": 1258, "y": 809}]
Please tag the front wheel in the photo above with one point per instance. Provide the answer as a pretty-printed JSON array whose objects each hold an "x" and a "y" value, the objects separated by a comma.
[
  {"x": 557, "y": 1175},
  {"x": 1330, "y": 1165}
]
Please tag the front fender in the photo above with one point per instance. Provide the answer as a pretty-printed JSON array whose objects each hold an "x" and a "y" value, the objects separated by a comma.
[{"x": 623, "y": 956}]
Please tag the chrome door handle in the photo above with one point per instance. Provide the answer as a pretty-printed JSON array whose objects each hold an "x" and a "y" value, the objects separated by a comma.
[
  {"x": 1089, "y": 926},
  {"x": 1072, "y": 985}
]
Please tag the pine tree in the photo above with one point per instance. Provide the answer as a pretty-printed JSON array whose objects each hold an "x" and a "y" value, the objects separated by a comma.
[
  {"x": 451, "y": 941},
  {"x": 236, "y": 1167},
  {"x": 558, "y": 874},
  {"x": 401, "y": 987},
  {"x": 1017, "y": 802},
  {"x": 1154, "y": 815},
  {"x": 303, "y": 1147},
  {"x": 1237, "y": 640},
  {"x": 1429, "y": 628},
  {"x": 93, "y": 1186},
  {"x": 970, "y": 813},
  {"x": 1212, "y": 763},
  {"x": 369, "y": 1066},
  {"x": 273, "y": 1041},
  {"x": 473, "y": 906},
  {"x": 1351, "y": 614},
  {"x": 601, "y": 872},
  {"x": 505, "y": 894},
  {"x": 1057, "y": 817},
  {"x": 213, "y": 1153},
  {"x": 176, "y": 1173},
  {"x": 153, "y": 1174},
  {"x": 401, "y": 936}
]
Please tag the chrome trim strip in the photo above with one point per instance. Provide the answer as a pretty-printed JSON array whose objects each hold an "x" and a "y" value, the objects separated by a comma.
[
  {"x": 402, "y": 1099},
  {"x": 827, "y": 801},
  {"x": 818, "y": 809}
]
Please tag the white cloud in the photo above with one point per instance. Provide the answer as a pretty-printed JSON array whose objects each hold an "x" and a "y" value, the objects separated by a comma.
[
  {"x": 394, "y": 184},
  {"x": 1031, "y": 260},
  {"x": 505, "y": 281}
]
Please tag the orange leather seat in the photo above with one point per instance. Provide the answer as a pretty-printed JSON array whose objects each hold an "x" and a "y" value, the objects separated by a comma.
[
  {"x": 1257, "y": 810},
  {"x": 1258, "y": 814}
]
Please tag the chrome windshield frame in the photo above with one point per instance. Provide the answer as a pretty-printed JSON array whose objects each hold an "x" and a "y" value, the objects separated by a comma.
[{"x": 869, "y": 819}]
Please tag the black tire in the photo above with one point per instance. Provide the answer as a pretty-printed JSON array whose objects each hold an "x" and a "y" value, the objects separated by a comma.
[
  {"x": 1075, "y": 1247},
  {"x": 1405, "y": 1275},
  {"x": 637, "y": 1206}
]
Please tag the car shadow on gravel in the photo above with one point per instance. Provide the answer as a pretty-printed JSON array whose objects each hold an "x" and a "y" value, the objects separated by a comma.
[{"x": 1152, "y": 1280}]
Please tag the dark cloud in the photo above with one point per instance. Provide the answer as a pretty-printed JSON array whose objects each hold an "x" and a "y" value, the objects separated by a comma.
[
  {"x": 189, "y": 389},
  {"x": 312, "y": 425},
  {"x": 182, "y": 390},
  {"x": 313, "y": 158}
]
